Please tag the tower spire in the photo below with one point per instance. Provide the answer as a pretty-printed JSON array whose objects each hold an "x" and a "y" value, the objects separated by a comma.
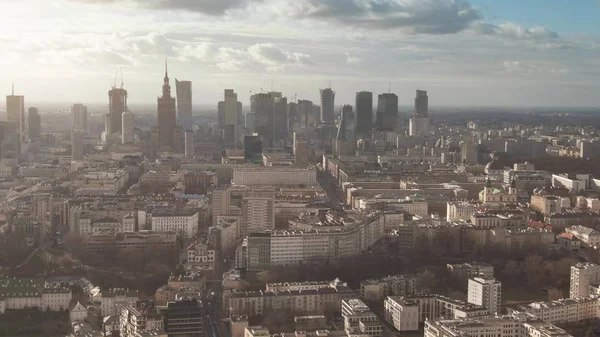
[
  {"x": 121, "y": 69},
  {"x": 166, "y": 68},
  {"x": 13, "y": 88}
]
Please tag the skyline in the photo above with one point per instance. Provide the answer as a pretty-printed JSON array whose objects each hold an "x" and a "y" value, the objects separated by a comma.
[{"x": 485, "y": 53}]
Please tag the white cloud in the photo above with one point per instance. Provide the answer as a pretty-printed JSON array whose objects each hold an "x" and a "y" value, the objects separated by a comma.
[
  {"x": 513, "y": 30},
  {"x": 352, "y": 59}
]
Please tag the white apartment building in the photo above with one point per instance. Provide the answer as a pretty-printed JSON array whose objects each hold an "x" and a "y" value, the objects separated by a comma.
[
  {"x": 359, "y": 320},
  {"x": 274, "y": 176},
  {"x": 21, "y": 293},
  {"x": 485, "y": 292},
  {"x": 432, "y": 307},
  {"x": 565, "y": 310},
  {"x": 500, "y": 326},
  {"x": 582, "y": 275},
  {"x": 402, "y": 314},
  {"x": 587, "y": 235},
  {"x": 185, "y": 224},
  {"x": 112, "y": 300},
  {"x": 129, "y": 223},
  {"x": 315, "y": 301},
  {"x": 199, "y": 254},
  {"x": 288, "y": 248}
]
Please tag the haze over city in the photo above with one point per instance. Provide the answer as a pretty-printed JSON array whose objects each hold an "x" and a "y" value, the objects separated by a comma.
[{"x": 465, "y": 53}]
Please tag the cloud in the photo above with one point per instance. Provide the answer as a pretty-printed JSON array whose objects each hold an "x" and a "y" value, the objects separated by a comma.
[
  {"x": 352, "y": 59},
  {"x": 520, "y": 67},
  {"x": 266, "y": 56},
  {"x": 411, "y": 16},
  {"x": 83, "y": 56},
  {"x": 209, "y": 7},
  {"x": 514, "y": 31}
]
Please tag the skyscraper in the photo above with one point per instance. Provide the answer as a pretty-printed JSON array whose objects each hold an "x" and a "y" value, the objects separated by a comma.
[
  {"x": 364, "y": 112},
  {"x": 35, "y": 123},
  {"x": 230, "y": 118},
  {"x": 15, "y": 111},
  {"x": 305, "y": 114},
  {"x": 166, "y": 113},
  {"x": 258, "y": 214},
  {"x": 127, "y": 130},
  {"x": 280, "y": 122},
  {"x": 184, "y": 103},
  {"x": 253, "y": 149},
  {"x": 263, "y": 105},
  {"x": 117, "y": 104},
  {"x": 387, "y": 112},
  {"x": 190, "y": 144},
  {"x": 420, "y": 123},
  {"x": 345, "y": 142},
  {"x": 79, "y": 112},
  {"x": 77, "y": 146},
  {"x": 327, "y": 103}
]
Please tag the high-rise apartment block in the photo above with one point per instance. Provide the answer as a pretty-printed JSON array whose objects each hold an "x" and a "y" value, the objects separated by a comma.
[
  {"x": 485, "y": 292},
  {"x": 221, "y": 202},
  {"x": 582, "y": 276},
  {"x": 327, "y": 105},
  {"x": 387, "y": 112},
  {"x": 190, "y": 144},
  {"x": 364, "y": 112},
  {"x": 166, "y": 114},
  {"x": 184, "y": 103},
  {"x": 420, "y": 123},
  {"x": 80, "y": 115},
  {"x": 258, "y": 214},
  {"x": 34, "y": 123},
  {"x": 280, "y": 119},
  {"x": 77, "y": 146},
  {"x": 127, "y": 127},
  {"x": 263, "y": 106}
]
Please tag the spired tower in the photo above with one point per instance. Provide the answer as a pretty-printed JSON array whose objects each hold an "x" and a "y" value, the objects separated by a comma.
[
  {"x": 117, "y": 104},
  {"x": 167, "y": 113}
]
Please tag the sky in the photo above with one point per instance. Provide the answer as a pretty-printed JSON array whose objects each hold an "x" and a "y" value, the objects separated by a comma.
[{"x": 464, "y": 52}]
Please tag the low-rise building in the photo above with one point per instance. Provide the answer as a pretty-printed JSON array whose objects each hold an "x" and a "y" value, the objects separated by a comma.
[
  {"x": 402, "y": 314},
  {"x": 112, "y": 300},
  {"x": 587, "y": 235},
  {"x": 184, "y": 223},
  {"x": 396, "y": 285},
  {"x": 359, "y": 320},
  {"x": 21, "y": 293},
  {"x": 465, "y": 271},
  {"x": 139, "y": 318}
]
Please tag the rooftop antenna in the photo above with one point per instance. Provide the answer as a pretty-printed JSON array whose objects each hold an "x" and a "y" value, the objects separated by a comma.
[
  {"x": 390, "y": 88},
  {"x": 329, "y": 84},
  {"x": 296, "y": 98},
  {"x": 121, "y": 69},
  {"x": 115, "y": 81},
  {"x": 13, "y": 88},
  {"x": 271, "y": 85}
]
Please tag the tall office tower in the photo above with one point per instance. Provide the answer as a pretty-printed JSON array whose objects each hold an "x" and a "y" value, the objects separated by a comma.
[
  {"x": 420, "y": 123},
  {"x": 184, "y": 104},
  {"x": 301, "y": 149},
  {"x": 582, "y": 276},
  {"x": 387, "y": 112},
  {"x": 35, "y": 123},
  {"x": 127, "y": 129},
  {"x": 345, "y": 143},
  {"x": 280, "y": 122},
  {"x": 364, "y": 112},
  {"x": 117, "y": 104},
  {"x": 77, "y": 146},
  {"x": 263, "y": 105},
  {"x": 486, "y": 292},
  {"x": 221, "y": 202},
  {"x": 154, "y": 136},
  {"x": 253, "y": 149},
  {"x": 327, "y": 102},
  {"x": 230, "y": 118},
  {"x": 258, "y": 214},
  {"x": 166, "y": 113},
  {"x": 79, "y": 112},
  {"x": 9, "y": 140},
  {"x": 190, "y": 144},
  {"x": 178, "y": 141},
  {"x": 305, "y": 114},
  {"x": 15, "y": 112},
  {"x": 250, "y": 121}
]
